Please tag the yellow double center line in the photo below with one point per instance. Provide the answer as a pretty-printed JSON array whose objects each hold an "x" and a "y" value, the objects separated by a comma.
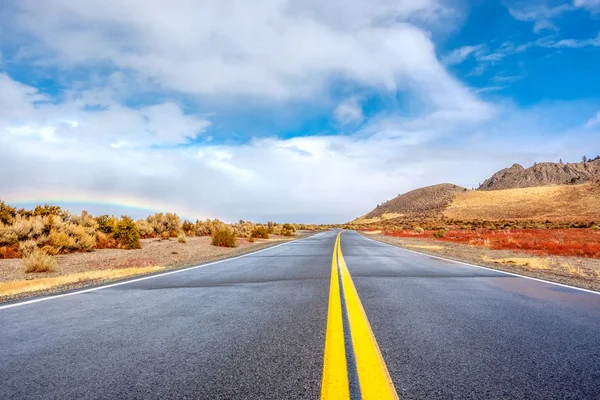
[{"x": 347, "y": 322}]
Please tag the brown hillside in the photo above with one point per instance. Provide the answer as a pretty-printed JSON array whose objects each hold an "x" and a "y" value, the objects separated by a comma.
[
  {"x": 543, "y": 174},
  {"x": 428, "y": 201},
  {"x": 554, "y": 203}
]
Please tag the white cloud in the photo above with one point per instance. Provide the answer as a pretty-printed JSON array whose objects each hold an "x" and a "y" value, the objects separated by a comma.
[
  {"x": 349, "y": 111},
  {"x": 278, "y": 49},
  {"x": 592, "y": 5},
  {"x": 544, "y": 25},
  {"x": 594, "y": 121},
  {"x": 457, "y": 56}
]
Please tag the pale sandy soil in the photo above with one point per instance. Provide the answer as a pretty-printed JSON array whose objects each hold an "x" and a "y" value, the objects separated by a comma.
[
  {"x": 119, "y": 263},
  {"x": 574, "y": 271},
  {"x": 555, "y": 203}
]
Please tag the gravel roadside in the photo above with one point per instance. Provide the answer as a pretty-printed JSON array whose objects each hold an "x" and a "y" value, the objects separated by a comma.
[
  {"x": 167, "y": 254},
  {"x": 574, "y": 271}
]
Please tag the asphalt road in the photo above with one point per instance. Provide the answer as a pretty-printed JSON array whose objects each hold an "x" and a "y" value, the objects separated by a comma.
[{"x": 255, "y": 326}]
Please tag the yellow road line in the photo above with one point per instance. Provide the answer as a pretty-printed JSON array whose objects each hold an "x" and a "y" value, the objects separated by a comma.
[
  {"x": 335, "y": 372},
  {"x": 373, "y": 376}
]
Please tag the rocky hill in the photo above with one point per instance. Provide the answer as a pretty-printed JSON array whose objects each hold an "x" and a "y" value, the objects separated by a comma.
[
  {"x": 428, "y": 201},
  {"x": 543, "y": 174}
]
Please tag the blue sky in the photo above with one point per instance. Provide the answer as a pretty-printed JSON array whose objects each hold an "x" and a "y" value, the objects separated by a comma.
[{"x": 287, "y": 110}]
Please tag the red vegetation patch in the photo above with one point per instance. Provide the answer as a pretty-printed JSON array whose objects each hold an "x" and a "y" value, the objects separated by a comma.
[
  {"x": 559, "y": 242},
  {"x": 11, "y": 251}
]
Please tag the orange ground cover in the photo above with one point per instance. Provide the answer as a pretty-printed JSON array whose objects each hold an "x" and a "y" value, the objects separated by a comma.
[{"x": 560, "y": 242}]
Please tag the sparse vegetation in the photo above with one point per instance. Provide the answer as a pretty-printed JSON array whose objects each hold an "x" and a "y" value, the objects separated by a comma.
[{"x": 57, "y": 231}]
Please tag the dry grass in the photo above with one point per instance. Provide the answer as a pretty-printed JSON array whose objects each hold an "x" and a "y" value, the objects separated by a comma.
[
  {"x": 556, "y": 203},
  {"x": 383, "y": 217},
  {"x": 535, "y": 263},
  {"x": 371, "y": 232},
  {"x": 12, "y": 288},
  {"x": 425, "y": 247}
]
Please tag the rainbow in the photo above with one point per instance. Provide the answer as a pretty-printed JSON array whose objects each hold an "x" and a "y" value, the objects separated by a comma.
[{"x": 68, "y": 197}]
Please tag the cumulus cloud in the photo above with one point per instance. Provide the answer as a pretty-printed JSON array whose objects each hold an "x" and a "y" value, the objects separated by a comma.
[{"x": 94, "y": 139}]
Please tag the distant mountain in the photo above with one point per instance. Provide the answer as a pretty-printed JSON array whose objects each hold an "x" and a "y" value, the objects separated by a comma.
[
  {"x": 428, "y": 201},
  {"x": 543, "y": 174}
]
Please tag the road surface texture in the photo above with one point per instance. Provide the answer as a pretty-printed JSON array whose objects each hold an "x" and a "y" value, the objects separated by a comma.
[{"x": 256, "y": 326}]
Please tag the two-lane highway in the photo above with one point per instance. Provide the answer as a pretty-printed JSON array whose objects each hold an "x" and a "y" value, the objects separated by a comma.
[{"x": 256, "y": 327}]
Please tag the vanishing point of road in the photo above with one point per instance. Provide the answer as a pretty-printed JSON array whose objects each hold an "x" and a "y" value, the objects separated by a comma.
[{"x": 332, "y": 316}]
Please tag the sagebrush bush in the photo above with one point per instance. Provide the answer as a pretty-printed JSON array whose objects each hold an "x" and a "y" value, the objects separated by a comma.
[
  {"x": 39, "y": 261},
  {"x": 288, "y": 230},
  {"x": 107, "y": 224},
  {"x": 168, "y": 222},
  {"x": 419, "y": 230},
  {"x": 439, "y": 234},
  {"x": 127, "y": 234},
  {"x": 7, "y": 213},
  {"x": 62, "y": 241},
  {"x": 105, "y": 241},
  {"x": 145, "y": 228},
  {"x": 223, "y": 238},
  {"x": 181, "y": 238},
  {"x": 27, "y": 247},
  {"x": 261, "y": 232}
]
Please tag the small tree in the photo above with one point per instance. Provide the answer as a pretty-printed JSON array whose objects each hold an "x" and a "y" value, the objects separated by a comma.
[{"x": 584, "y": 159}]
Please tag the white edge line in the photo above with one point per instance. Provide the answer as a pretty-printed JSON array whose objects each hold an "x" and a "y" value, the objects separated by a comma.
[
  {"x": 479, "y": 266},
  {"x": 40, "y": 299}
]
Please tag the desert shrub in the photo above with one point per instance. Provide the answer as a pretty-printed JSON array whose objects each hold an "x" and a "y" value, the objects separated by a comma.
[
  {"x": 223, "y": 238},
  {"x": 289, "y": 230},
  {"x": 46, "y": 209},
  {"x": 7, "y": 236},
  {"x": 27, "y": 247},
  {"x": 62, "y": 241},
  {"x": 27, "y": 227},
  {"x": 595, "y": 227},
  {"x": 261, "y": 232},
  {"x": 127, "y": 234},
  {"x": 289, "y": 227},
  {"x": 105, "y": 241},
  {"x": 145, "y": 228},
  {"x": 7, "y": 213},
  {"x": 251, "y": 239},
  {"x": 51, "y": 250},
  {"x": 39, "y": 261},
  {"x": 168, "y": 222},
  {"x": 419, "y": 230},
  {"x": 181, "y": 238},
  {"x": 11, "y": 251},
  {"x": 107, "y": 224},
  {"x": 165, "y": 236},
  {"x": 439, "y": 234},
  {"x": 188, "y": 228},
  {"x": 492, "y": 227}
]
